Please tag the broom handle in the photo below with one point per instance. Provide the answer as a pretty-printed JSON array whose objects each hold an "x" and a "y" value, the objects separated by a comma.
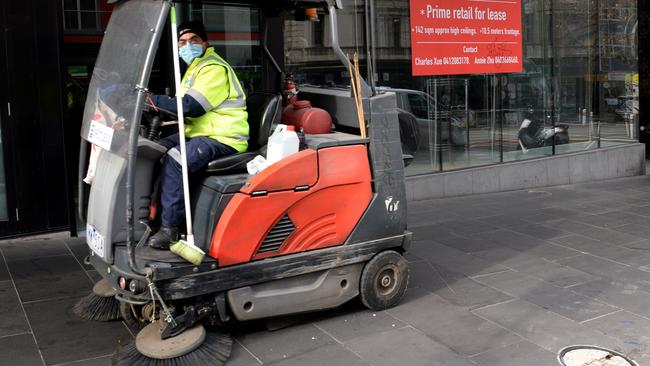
[
  {"x": 355, "y": 94},
  {"x": 357, "y": 76},
  {"x": 181, "y": 129}
]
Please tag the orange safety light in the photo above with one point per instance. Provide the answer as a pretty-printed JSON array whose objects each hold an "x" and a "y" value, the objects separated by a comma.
[{"x": 312, "y": 14}]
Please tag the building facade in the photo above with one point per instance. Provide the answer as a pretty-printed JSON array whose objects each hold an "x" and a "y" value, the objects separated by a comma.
[{"x": 580, "y": 69}]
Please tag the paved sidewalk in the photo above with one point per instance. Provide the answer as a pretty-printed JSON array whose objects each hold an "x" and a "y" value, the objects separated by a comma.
[{"x": 501, "y": 279}]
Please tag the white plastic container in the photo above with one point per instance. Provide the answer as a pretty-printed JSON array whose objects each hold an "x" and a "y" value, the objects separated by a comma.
[
  {"x": 282, "y": 143},
  {"x": 256, "y": 165}
]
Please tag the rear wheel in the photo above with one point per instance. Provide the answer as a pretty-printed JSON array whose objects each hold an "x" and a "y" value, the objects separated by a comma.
[{"x": 384, "y": 280}]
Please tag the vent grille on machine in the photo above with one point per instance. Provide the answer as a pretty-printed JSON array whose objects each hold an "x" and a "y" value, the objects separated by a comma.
[{"x": 277, "y": 235}]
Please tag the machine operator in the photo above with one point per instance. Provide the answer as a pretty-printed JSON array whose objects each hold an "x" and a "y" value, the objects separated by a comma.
[{"x": 214, "y": 105}]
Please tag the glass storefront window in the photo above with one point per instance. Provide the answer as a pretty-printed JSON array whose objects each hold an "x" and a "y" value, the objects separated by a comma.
[
  {"x": 234, "y": 31},
  {"x": 578, "y": 89},
  {"x": 309, "y": 57}
]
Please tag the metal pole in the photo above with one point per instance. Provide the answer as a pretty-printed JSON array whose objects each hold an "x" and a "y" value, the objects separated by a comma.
[
  {"x": 438, "y": 145},
  {"x": 467, "y": 116}
]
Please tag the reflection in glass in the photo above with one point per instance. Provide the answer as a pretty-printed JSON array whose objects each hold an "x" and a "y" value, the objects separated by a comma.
[
  {"x": 234, "y": 31},
  {"x": 578, "y": 90}
]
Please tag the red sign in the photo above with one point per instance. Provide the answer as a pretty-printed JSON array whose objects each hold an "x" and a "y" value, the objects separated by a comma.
[{"x": 465, "y": 36}]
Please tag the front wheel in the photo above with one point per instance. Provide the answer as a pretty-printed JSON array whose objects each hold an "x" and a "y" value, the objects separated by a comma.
[{"x": 384, "y": 280}]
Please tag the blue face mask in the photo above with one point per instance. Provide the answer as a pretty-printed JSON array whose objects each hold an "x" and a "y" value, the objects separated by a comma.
[{"x": 190, "y": 51}]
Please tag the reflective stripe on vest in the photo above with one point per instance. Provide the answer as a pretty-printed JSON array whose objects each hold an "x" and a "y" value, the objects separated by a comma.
[
  {"x": 226, "y": 120},
  {"x": 238, "y": 102}
]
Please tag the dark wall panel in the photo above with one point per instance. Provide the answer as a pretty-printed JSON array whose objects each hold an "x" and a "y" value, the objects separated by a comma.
[{"x": 33, "y": 86}]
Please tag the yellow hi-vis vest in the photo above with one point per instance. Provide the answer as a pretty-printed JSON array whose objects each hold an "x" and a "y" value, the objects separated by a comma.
[{"x": 214, "y": 85}]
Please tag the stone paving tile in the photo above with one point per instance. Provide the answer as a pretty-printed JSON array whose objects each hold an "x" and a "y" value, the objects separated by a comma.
[
  {"x": 455, "y": 260},
  {"x": 454, "y": 326},
  {"x": 454, "y": 287},
  {"x": 544, "y": 328},
  {"x": 634, "y": 254},
  {"x": 94, "y": 276},
  {"x": 612, "y": 237},
  {"x": 518, "y": 354},
  {"x": 49, "y": 277},
  {"x": 241, "y": 356},
  {"x": 423, "y": 275},
  {"x": 552, "y": 252},
  {"x": 19, "y": 350},
  {"x": 539, "y": 231},
  {"x": 643, "y": 245},
  {"x": 624, "y": 217},
  {"x": 97, "y": 361},
  {"x": 16, "y": 250},
  {"x": 353, "y": 322},
  {"x": 609, "y": 270},
  {"x": 504, "y": 220},
  {"x": 507, "y": 257},
  {"x": 467, "y": 227},
  {"x": 581, "y": 243},
  {"x": 549, "y": 214},
  {"x": 604, "y": 220},
  {"x": 460, "y": 245},
  {"x": 329, "y": 355},
  {"x": 551, "y": 272},
  {"x": 63, "y": 337},
  {"x": 558, "y": 300},
  {"x": 4, "y": 273},
  {"x": 285, "y": 343},
  {"x": 630, "y": 257},
  {"x": 626, "y": 296},
  {"x": 79, "y": 249},
  {"x": 639, "y": 229},
  {"x": 429, "y": 232},
  {"x": 404, "y": 347},
  {"x": 643, "y": 211},
  {"x": 512, "y": 239},
  {"x": 571, "y": 225},
  {"x": 416, "y": 220},
  {"x": 631, "y": 329},
  {"x": 554, "y": 273},
  {"x": 467, "y": 244},
  {"x": 513, "y": 258},
  {"x": 466, "y": 292},
  {"x": 467, "y": 208},
  {"x": 590, "y": 208},
  {"x": 12, "y": 317}
]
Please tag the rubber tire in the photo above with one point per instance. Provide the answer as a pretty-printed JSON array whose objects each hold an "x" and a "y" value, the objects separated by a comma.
[{"x": 388, "y": 263}]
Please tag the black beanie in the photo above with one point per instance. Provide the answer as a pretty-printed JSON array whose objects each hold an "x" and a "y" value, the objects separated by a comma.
[{"x": 195, "y": 27}]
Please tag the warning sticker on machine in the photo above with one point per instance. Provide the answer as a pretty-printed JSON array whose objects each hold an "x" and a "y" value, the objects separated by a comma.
[
  {"x": 465, "y": 36},
  {"x": 100, "y": 135}
]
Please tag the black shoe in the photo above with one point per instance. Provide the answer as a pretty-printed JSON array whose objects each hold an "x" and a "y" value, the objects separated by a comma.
[{"x": 164, "y": 237}]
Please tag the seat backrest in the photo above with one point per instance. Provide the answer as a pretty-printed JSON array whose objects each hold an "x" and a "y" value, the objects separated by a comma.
[{"x": 264, "y": 109}]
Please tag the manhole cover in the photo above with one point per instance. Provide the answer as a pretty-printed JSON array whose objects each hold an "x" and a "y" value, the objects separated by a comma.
[{"x": 592, "y": 356}]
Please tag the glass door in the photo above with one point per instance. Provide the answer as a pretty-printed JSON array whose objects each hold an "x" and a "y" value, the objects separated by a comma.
[
  {"x": 8, "y": 223},
  {"x": 33, "y": 194}
]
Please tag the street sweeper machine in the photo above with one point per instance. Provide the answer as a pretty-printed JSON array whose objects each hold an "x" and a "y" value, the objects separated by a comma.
[{"x": 314, "y": 230}]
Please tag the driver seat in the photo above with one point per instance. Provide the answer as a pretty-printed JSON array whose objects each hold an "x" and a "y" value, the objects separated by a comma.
[{"x": 264, "y": 109}]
